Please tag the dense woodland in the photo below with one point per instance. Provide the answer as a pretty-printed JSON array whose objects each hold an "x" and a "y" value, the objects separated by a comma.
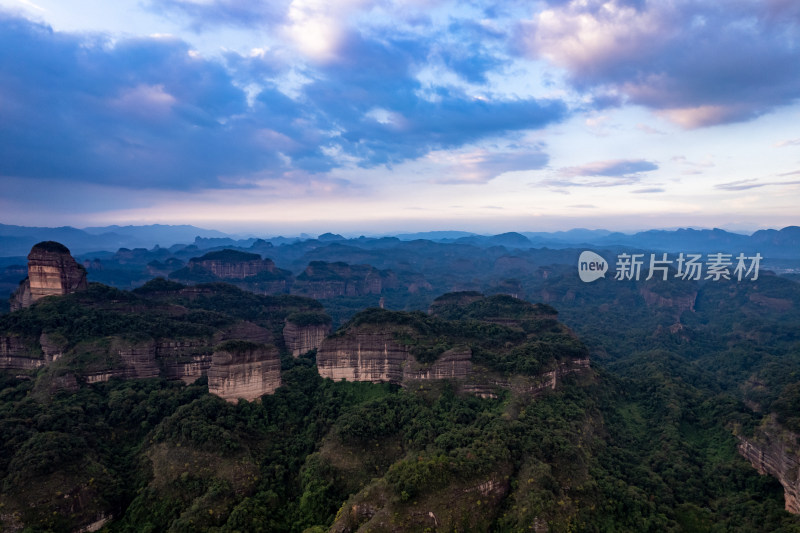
[{"x": 645, "y": 442}]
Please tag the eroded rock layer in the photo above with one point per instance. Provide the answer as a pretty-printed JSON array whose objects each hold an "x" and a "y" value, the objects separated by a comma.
[
  {"x": 244, "y": 370},
  {"x": 52, "y": 271},
  {"x": 302, "y": 338},
  {"x": 776, "y": 451},
  {"x": 377, "y": 357}
]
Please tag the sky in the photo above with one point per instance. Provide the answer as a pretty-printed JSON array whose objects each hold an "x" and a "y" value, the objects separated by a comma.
[{"x": 371, "y": 116}]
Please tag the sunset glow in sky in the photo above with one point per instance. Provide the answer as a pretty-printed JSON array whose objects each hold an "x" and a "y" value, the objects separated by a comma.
[{"x": 386, "y": 115}]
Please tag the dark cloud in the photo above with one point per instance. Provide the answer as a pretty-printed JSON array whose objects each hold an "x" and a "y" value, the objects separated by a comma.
[
  {"x": 698, "y": 63},
  {"x": 150, "y": 112},
  {"x": 140, "y": 110},
  {"x": 374, "y": 75}
]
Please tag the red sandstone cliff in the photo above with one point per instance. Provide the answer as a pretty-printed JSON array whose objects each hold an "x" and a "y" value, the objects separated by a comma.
[
  {"x": 52, "y": 271},
  {"x": 244, "y": 370}
]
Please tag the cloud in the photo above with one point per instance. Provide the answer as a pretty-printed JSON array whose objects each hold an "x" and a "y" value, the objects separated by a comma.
[
  {"x": 150, "y": 112},
  {"x": 609, "y": 173},
  {"x": 139, "y": 110},
  {"x": 648, "y": 190},
  {"x": 482, "y": 166},
  {"x": 613, "y": 168},
  {"x": 583, "y": 206},
  {"x": 743, "y": 185},
  {"x": 695, "y": 63},
  {"x": 205, "y": 14},
  {"x": 375, "y": 75},
  {"x": 788, "y": 142}
]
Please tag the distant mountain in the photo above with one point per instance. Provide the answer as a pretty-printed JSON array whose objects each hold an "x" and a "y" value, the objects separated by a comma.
[
  {"x": 774, "y": 244},
  {"x": 509, "y": 240},
  {"x": 434, "y": 235},
  {"x": 163, "y": 235},
  {"x": 18, "y": 240}
]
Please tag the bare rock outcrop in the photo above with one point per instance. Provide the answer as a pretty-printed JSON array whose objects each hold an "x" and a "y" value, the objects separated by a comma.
[
  {"x": 246, "y": 370},
  {"x": 15, "y": 354},
  {"x": 776, "y": 451},
  {"x": 52, "y": 271},
  {"x": 232, "y": 264},
  {"x": 322, "y": 280},
  {"x": 305, "y": 332},
  {"x": 373, "y": 355}
]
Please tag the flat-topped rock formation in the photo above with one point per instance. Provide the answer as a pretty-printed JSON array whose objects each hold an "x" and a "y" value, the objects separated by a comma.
[
  {"x": 479, "y": 341},
  {"x": 243, "y": 269},
  {"x": 376, "y": 356},
  {"x": 322, "y": 280},
  {"x": 233, "y": 264},
  {"x": 244, "y": 370},
  {"x": 52, "y": 271}
]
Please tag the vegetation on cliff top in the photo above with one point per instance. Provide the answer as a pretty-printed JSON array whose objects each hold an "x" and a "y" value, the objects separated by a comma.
[
  {"x": 504, "y": 333},
  {"x": 228, "y": 256},
  {"x": 50, "y": 246}
]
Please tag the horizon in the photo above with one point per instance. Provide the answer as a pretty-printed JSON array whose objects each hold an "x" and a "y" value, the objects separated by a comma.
[
  {"x": 254, "y": 234},
  {"x": 365, "y": 116}
]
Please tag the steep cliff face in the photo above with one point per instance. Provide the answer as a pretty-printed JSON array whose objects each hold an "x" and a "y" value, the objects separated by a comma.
[
  {"x": 15, "y": 354},
  {"x": 231, "y": 264},
  {"x": 367, "y": 355},
  {"x": 305, "y": 332},
  {"x": 245, "y": 270},
  {"x": 775, "y": 451},
  {"x": 477, "y": 340},
  {"x": 322, "y": 280},
  {"x": 244, "y": 370},
  {"x": 52, "y": 271}
]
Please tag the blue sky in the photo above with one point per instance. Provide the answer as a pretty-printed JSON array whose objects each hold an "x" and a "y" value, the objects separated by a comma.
[{"x": 368, "y": 116}]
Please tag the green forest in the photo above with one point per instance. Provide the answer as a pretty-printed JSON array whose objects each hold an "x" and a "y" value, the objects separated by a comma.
[{"x": 646, "y": 440}]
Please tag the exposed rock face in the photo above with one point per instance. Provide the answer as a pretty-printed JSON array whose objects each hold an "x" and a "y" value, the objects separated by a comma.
[
  {"x": 678, "y": 303},
  {"x": 14, "y": 354},
  {"x": 52, "y": 271},
  {"x": 132, "y": 360},
  {"x": 245, "y": 270},
  {"x": 375, "y": 356},
  {"x": 322, "y": 280},
  {"x": 52, "y": 348},
  {"x": 230, "y": 264},
  {"x": 244, "y": 370},
  {"x": 776, "y": 451},
  {"x": 187, "y": 359},
  {"x": 301, "y": 338}
]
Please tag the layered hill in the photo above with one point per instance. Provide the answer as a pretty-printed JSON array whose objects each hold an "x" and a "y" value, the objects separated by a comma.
[
  {"x": 479, "y": 341},
  {"x": 162, "y": 329}
]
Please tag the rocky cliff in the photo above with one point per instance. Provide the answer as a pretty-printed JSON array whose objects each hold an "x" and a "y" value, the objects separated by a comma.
[
  {"x": 244, "y": 370},
  {"x": 246, "y": 270},
  {"x": 305, "y": 331},
  {"x": 52, "y": 271},
  {"x": 374, "y": 355},
  {"x": 232, "y": 264},
  {"x": 509, "y": 335},
  {"x": 775, "y": 451},
  {"x": 322, "y": 280}
]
